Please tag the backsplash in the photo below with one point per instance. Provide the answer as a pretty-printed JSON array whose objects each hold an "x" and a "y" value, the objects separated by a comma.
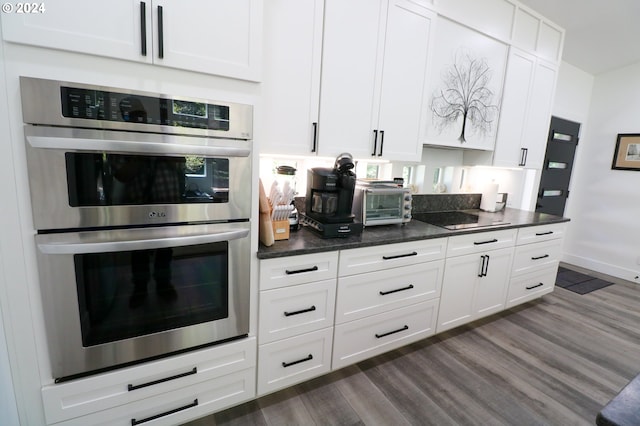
[
  {"x": 444, "y": 202},
  {"x": 429, "y": 202}
]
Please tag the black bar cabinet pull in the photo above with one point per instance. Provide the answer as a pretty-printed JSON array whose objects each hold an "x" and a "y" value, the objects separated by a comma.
[
  {"x": 486, "y": 267},
  {"x": 481, "y": 266},
  {"x": 375, "y": 142},
  {"x": 135, "y": 422},
  {"x": 406, "y": 327},
  {"x": 143, "y": 28},
  {"x": 478, "y": 243},
  {"x": 289, "y": 364},
  {"x": 381, "y": 142},
  {"x": 302, "y": 311},
  {"x": 384, "y": 293},
  {"x": 538, "y": 234},
  {"x": 534, "y": 286},
  {"x": 299, "y": 271},
  {"x": 540, "y": 257},
  {"x": 523, "y": 156},
  {"x": 315, "y": 136},
  {"x": 131, "y": 387},
  {"x": 160, "y": 34},
  {"x": 413, "y": 253}
]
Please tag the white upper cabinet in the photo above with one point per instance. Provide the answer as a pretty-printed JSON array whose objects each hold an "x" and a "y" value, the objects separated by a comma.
[
  {"x": 221, "y": 37},
  {"x": 291, "y": 76},
  {"x": 116, "y": 29},
  {"x": 374, "y": 68},
  {"x": 535, "y": 34},
  {"x": 526, "y": 111}
]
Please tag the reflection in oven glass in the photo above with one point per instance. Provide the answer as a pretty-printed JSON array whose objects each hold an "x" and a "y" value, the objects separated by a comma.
[
  {"x": 133, "y": 293},
  {"x": 102, "y": 179}
]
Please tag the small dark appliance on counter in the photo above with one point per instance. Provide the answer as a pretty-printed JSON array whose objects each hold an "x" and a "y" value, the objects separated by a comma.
[{"x": 329, "y": 199}]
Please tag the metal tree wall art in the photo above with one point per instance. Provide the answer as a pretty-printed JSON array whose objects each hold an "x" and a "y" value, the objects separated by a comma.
[{"x": 465, "y": 94}]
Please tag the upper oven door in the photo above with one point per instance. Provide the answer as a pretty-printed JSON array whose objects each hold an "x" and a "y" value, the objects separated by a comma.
[{"x": 83, "y": 178}]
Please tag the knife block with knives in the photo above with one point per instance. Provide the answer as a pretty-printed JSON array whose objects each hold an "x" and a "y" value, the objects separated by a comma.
[{"x": 274, "y": 218}]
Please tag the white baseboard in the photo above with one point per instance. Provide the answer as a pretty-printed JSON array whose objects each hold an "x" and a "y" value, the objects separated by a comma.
[{"x": 603, "y": 268}]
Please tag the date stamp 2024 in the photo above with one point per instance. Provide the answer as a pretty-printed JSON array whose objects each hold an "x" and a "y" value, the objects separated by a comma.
[{"x": 23, "y": 8}]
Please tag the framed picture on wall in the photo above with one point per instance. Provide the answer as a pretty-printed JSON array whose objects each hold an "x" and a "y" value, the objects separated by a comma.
[
  {"x": 465, "y": 88},
  {"x": 627, "y": 153}
]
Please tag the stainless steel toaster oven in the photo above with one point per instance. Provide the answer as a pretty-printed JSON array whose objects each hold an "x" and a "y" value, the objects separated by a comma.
[{"x": 381, "y": 202}]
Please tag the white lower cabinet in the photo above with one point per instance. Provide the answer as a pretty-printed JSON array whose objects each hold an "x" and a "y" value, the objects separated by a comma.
[
  {"x": 530, "y": 286},
  {"x": 296, "y": 316},
  {"x": 536, "y": 261},
  {"x": 178, "y": 406},
  {"x": 475, "y": 285},
  {"x": 290, "y": 361},
  {"x": 392, "y": 306},
  {"x": 321, "y": 312},
  {"x": 166, "y": 390},
  {"x": 289, "y": 311},
  {"x": 367, "y": 294},
  {"x": 361, "y": 339}
]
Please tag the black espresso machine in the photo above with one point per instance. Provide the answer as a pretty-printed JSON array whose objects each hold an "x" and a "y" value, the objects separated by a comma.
[{"x": 329, "y": 198}]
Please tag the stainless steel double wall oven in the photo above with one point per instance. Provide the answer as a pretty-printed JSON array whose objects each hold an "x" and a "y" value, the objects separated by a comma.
[{"x": 142, "y": 206}]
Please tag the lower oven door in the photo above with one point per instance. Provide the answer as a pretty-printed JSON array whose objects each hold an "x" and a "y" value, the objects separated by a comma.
[{"x": 122, "y": 296}]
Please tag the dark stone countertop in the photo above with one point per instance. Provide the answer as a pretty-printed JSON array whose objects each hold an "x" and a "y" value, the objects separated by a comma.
[{"x": 305, "y": 241}]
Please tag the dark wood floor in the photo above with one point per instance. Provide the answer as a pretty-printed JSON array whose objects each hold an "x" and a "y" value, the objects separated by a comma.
[{"x": 554, "y": 361}]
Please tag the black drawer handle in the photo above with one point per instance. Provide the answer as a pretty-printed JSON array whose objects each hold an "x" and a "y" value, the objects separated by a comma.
[
  {"x": 479, "y": 243},
  {"x": 538, "y": 234},
  {"x": 384, "y": 293},
  {"x": 534, "y": 286},
  {"x": 131, "y": 387},
  {"x": 406, "y": 327},
  {"x": 300, "y": 271},
  {"x": 413, "y": 253},
  {"x": 288, "y": 314},
  {"x": 135, "y": 422},
  {"x": 540, "y": 257},
  {"x": 289, "y": 364}
]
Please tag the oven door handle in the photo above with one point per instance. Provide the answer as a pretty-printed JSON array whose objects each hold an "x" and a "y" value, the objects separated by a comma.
[
  {"x": 142, "y": 244},
  {"x": 90, "y": 144}
]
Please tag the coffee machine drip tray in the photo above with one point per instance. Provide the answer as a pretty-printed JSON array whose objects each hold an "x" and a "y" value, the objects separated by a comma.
[{"x": 332, "y": 230}]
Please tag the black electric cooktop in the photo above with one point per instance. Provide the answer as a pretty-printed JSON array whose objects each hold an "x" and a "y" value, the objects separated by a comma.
[{"x": 457, "y": 220}]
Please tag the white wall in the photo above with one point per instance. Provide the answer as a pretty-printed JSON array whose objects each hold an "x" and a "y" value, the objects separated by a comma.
[{"x": 604, "y": 233}]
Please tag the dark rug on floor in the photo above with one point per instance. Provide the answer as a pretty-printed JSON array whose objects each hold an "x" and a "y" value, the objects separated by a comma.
[{"x": 578, "y": 282}]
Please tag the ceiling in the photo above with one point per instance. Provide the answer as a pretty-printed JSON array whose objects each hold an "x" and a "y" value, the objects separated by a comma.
[{"x": 601, "y": 35}]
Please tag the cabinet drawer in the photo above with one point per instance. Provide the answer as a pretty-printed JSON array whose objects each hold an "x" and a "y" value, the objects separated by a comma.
[
  {"x": 286, "y": 362},
  {"x": 178, "y": 406},
  {"x": 480, "y": 242},
  {"x": 376, "y": 292},
  {"x": 290, "y": 270},
  {"x": 104, "y": 391},
  {"x": 532, "y": 285},
  {"x": 534, "y": 234},
  {"x": 530, "y": 257},
  {"x": 369, "y": 259},
  {"x": 364, "y": 338},
  {"x": 286, "y": 312}
]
